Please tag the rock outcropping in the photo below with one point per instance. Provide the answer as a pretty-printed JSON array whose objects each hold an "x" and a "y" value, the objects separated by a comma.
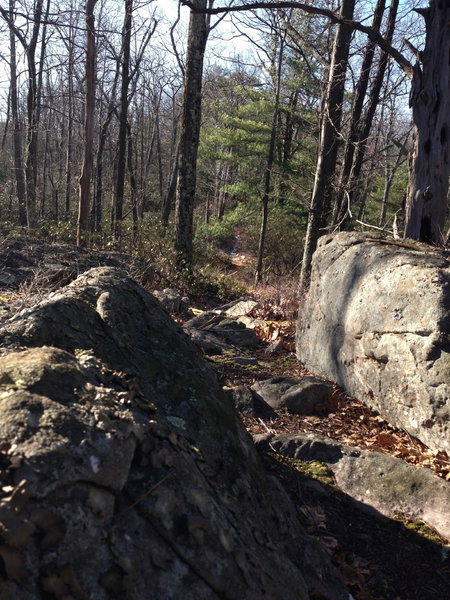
[
  {"x": 376, "y": 320},
  {"x": 125, "y": 472},
  {"x": 378, "y": 481}
]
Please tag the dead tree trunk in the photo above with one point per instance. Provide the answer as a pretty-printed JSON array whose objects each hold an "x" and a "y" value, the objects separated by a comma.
[
  {"x": 32, "y": 116},
  {"x": 426, "y": 204}
]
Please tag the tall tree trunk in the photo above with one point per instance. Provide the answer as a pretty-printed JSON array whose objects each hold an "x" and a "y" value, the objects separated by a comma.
[
  {"x": 132, "y": 177},
  {"x": 190, "y": 133},
  {"x": 160, "y": 162},
  {"x": 286, "y": 149},
  {"x": 123, "y": 118},
  {"x": 363, "y": 135},
  {"x": 426, "y": 204},
  {"x": 269, "y": 166},
  {"x": 32, "y": 116},
  {"x": 17, "y": 127},
  {"x": 70, "y": 111},
  {"x": 97, "y": 207},
  {"x": 44, "y": 176},
  {"x": 170, "y": 197},
  {"x": 328, "y": 143},
  {"x": 86, "y": 173},
  {"x": 355, "y": 125}
]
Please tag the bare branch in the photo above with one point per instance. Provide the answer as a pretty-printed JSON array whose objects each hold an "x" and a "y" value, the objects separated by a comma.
[{"x": 372, "y": 34}]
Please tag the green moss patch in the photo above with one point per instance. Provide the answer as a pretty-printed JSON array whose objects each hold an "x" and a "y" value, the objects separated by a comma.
[{"x": 314, "y": 468}]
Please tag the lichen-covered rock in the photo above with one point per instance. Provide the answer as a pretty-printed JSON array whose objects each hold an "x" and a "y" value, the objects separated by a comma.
[
  {"x": 125, "y": 472},
  {"x": 376, "y": 320}
]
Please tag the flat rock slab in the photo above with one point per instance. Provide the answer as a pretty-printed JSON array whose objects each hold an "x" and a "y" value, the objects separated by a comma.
[
  {"x": 307, "y": 396},
  {"x": 376, "y": 321},
  {"x": 379, "y": 481}
]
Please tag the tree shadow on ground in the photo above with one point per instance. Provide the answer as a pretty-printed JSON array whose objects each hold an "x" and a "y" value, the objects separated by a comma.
[{"x": 380, "y": 558}]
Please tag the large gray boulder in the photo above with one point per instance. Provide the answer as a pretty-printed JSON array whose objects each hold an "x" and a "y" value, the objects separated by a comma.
[
  {"x": 376, "y": 320},
  {"x": 125, "y": 472}
]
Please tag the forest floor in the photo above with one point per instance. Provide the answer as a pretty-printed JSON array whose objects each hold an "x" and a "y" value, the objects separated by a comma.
[{"x": 380, "y": 558}]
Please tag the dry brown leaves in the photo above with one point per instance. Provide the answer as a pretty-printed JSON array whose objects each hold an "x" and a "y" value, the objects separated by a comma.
[{"x": 349, "y": 422}]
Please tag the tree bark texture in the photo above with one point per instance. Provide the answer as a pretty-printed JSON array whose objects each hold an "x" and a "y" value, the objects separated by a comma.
[
  {"x": 190, "y": 134},
  {"x": 328, "y": 143},
  {"x": 97, "y": 207},
  {"x": 17, "y": 127},
  {"x": 123, "y": 118},
  {"x": 86, "y": 173},
  {"x": 70, "y": 118},
  {"x": 32, "y": 116},
  {"x": 426, "y": 205},
  {"x": 269, "y": 166},
  {"x": 367, "y": 120},
  {"x": 357, "y": 109}
]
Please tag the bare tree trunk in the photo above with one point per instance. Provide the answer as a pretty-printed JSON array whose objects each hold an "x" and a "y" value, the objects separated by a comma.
[
  {"x": 269, "y": 166},
  {"x": 190, "y": 133},
  {"x": 132, "y": 177},
  {"x": 159, "y": 158},
  {"x": 97, "y": 208},
  {"x": 355, "y": 126},
  {"x": 86, "y": 173},
  {"x": 70, "y": 111},
  {"x": 426, "y": 204},
  {"x": 328, "y": 145},
  {"x": 44, "y": 176},
  {"x": 170, "y": 197},
  {"x": 17, "y": 127},
  {"x": 286, "y": 150},
  {"x": 367, "y": 120},
  {"x": 32, "y": 116},
  {"x": 123, "y": 118}
]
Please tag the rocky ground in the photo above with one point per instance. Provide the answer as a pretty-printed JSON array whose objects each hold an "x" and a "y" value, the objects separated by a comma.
[{"x": 381, "y": 558}]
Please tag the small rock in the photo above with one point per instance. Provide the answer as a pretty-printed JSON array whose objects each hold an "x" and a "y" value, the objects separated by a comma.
[
  {"x": 207, "y": 341},
  {"x": 173, "y": 302},
  {"x": 250, "y": 404},
  {"x": 240, "y": 308},
  {"x": 307, "y": 396},
  {"x": 237, "y": 337},
  {"x": 272, "y": 389},
  {"x": 245, "y": 360},
  {"x": 277, "y": 346}
]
